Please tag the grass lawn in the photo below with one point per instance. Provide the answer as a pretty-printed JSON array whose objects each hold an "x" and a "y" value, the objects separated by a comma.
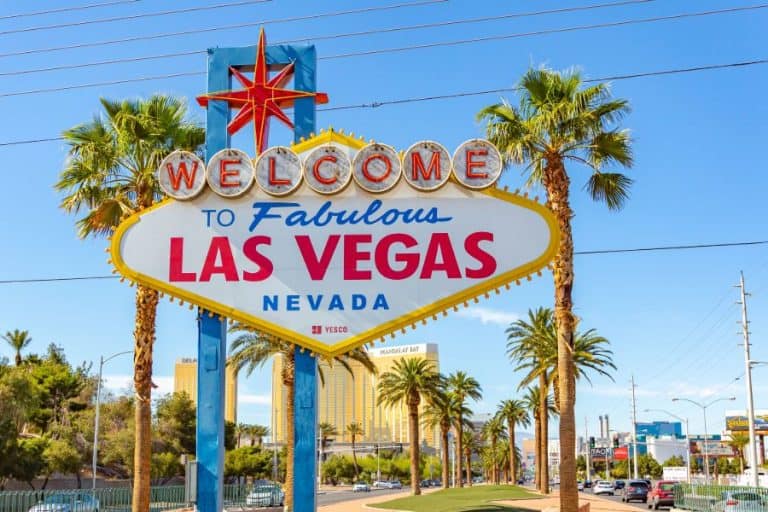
[{"x": 467, "y": 499}]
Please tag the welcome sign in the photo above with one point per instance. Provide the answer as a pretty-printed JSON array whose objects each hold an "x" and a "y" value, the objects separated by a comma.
[{"x": 334, "y": 243}]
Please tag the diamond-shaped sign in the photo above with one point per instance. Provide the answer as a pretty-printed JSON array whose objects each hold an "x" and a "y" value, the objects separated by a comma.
[{"x": 332, "y": 272}]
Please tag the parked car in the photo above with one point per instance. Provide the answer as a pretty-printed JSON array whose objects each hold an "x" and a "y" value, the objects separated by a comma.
[
  {"x": 635, "y": 490},
  {"x": 361, "y": 487},
  {"x": 67, "y": 502},
  {"x": 587, "y": 484},
  {"x": 580, "y": 485},
  {"x": 265, "y": 495},
  {"x": 425, "y": 483},
  {"x": 662, "y": 494},
  {"x": 380, "y": 484},
  {"x": 741, "y": 501},
  {"x": 619, "y": 484},
  {"x": 603, "y": 487},
  {"x": 395, "y": 484}
]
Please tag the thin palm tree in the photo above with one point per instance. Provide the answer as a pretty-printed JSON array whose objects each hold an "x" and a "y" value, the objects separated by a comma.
[
  {"x": 109, "y": 174},
  {"x": 354, "y": 430},
  {"x": 493, "y": 431},
  {"x": 738, "y": 441},
  {"x": 408, "y": 380},
  {"x": 514, "y": 413},
  {"x": 257, "y": 433},
  {"x": 533, "y": 402},
  {"x": 470, "y": 444},
  {"x": 560, "y": 120},
  {"x": 464, "y": 387},
  {"x": 18, "y": 340},
  {"x": 443, "y": 411}
]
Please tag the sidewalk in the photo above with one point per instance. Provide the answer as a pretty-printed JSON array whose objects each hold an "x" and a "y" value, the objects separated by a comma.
[
  {"x": 552, "y": 504},
  {"x": 359, "y": 505}
]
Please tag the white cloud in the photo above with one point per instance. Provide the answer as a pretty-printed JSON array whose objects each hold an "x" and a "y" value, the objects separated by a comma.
[
  {"x": 246, "y": 398},
  {"x": 122, "y": 383},
  {"x": 489, "y": 316}
]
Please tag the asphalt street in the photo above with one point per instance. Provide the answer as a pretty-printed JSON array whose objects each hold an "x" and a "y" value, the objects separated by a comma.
[
  {"x": 639, "y": 506},
  {"x": 337, "y": 496}
]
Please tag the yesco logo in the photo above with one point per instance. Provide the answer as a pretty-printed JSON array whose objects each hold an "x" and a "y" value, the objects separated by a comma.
[{"x": 376, "y": 168}]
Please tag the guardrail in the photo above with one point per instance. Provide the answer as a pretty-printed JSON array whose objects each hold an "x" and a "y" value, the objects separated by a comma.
[
  {"x": 716, "y": 498},
  {"x": 119, "y": 499}
]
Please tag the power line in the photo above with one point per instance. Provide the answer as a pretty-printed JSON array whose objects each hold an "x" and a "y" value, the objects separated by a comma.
[
  {"x": 132, "y": 17},
  {"x": 602, "y": 251},
  {"x": 361, "y": 33},
  {"x": 66, "y": 9},
  {"x": 400, "y": 49},
  {"x": 202, "y": 30},
  {"x": 377, "y": 104}
]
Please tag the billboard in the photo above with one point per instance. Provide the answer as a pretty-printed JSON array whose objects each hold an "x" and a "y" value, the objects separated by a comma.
[
  {"x": 740, "y": 423},
  {"x": 334, "y": 243}
]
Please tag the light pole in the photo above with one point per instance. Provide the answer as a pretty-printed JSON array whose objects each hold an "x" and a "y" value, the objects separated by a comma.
[
  {"x": 96, "y": 421},
  {"x": 704, "y": 407},
  {"x": 687, "y": 437}
]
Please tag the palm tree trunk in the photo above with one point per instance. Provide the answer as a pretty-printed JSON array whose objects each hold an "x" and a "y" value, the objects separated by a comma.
[
  {"x": 556, "y": 183},
  {"x": 413, "y": 427},
  {"x": 544, "y": 412},
  {"x": 537, "y": 451},
  {"x": 468, "y": 454},
  {"x": 288, "y": 379},
  {"x": 18, "y": 357},
  {"x": 144, "y": 337},
  {"x": 354, "y": 457},
  {"x": 446, "y": 461},
  {"x": 494, "y": 466},
  {"x": 511, "y": 428},
  {"x": 459, "y": 450}
]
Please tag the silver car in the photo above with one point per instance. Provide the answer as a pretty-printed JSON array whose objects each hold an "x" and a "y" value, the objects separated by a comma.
[
  {"x": 270, "y": 495},
  {"x": 741, "y": 501},
  {"x": 603, "y": 487},
  {"x": 67, "y": 502}
]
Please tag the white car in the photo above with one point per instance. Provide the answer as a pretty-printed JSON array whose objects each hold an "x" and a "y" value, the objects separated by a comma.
[
  {"x": 67, "y": 502},
  {"x": 603, "y": 487},
  {"x": 361, "y": 487},
  {"x": 265, "y": 496}
]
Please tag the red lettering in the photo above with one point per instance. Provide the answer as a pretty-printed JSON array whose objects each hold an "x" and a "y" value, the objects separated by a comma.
[
  {"x": 251, "y": 251},
  {"x": 411, "y": 260},
  {"x": 225, "y": 174},
  {"x": 273, "y": 180},
  {"x": 440, "y": 246},
  {"x": 353, "y": 256},
  {"x": 176, "y": 273},
  {"x": 317, "y": 267},
  {"x": 219, "y": 249},
  {"x": 471, "y": 164},
  {"x": 189, "y": 178},
  {"x": 417, "y": 166},
  {"x": 316, "y": 170},
  {"x": 371, "y": 177},
  {"x": 486, "y": 260}
]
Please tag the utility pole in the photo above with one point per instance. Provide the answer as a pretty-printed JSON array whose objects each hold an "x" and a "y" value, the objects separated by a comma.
[
  {"x": 586, "y": 440},
  {"x": 748, "y": 379},
  {"x": 634, "y": 428}
]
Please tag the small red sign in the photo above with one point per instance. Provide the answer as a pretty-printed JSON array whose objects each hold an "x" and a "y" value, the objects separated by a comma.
[{"x": 621, "y": 453}]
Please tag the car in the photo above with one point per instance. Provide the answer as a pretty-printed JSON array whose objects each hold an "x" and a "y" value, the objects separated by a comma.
[
  {"x": 662, "y": 494},
  {"x": 580, "y": 485},
  {"x": 267, "y": 494},
  {"x": 603, "y": 487},
  {"x": 741, "y": 501},
  {"x": 619, "y": 484},
  {"x": 425, "y": 483},
  {"x": 67, "y": 502},
  {"x": 395, "y": 484},
  {"x": 380, "y": 484},
  {"x": 361, "y": 487},
  {"x": 635, "y": 490},
  {"x": 587, "y": 484}
]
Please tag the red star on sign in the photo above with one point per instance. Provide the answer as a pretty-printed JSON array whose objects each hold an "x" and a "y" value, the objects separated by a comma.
[{"x": 262, "y": 97}]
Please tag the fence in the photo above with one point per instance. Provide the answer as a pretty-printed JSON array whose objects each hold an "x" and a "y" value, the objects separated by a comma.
[
  {"x": 119, "y": 499},
  {"x": 715, "y": 498}
]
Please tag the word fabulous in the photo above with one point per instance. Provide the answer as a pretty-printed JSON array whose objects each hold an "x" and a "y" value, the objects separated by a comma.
[{"x": 376, "y": 168}]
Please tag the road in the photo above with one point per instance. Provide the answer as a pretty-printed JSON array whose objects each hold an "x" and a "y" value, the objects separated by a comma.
[
  {"x": 337, "y": 496},
  {"x": 639, "y": 506}
]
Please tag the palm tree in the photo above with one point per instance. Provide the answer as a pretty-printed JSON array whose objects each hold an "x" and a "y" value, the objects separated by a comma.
[
  {"x": 257, "y": 433},
  {"x": 18, "y": 340},
  {"x": 560, "y": 120},
  {"x": 354, "y": 429},
  {"x": 514, "y": 413},
  {"x": 109, "y": 174},
  {"x": 471, "y": 445},
  {"x": 463, "y": 386},
  {"x": 738, "y": 441},
  {"x": 493, "y": 431},
  {"x": 533, "y": 402},
  {"x": 444, "y": 410},
  {"x": 407, "y": 381}
]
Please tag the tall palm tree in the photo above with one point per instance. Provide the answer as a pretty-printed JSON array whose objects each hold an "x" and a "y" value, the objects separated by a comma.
[
  {"x": 444, "y": 410},
  {"x": 493, "y": 431},
  {"x": 407, "y": 381},
  {"x": 18, "y": 340},
  {"x": 471, "y": 445},
  {"x": 354, "y": 430},
  {"x": 560, "y": 120},
  {"x": 109, "y": 174},
  {"x": 738, "y": 441},
  {"x": 533, "y": 402},
  {"x": 464, "y": 387},
  {"x": 513, "y": 412}
]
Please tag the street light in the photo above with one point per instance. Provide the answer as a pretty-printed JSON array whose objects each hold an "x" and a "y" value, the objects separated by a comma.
[
  {"x": 96, "y": 421},
  {"x": 687, "y": 437},
  {"x": 704, "y": 407}
]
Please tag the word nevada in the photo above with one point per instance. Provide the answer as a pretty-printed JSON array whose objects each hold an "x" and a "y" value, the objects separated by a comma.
[{"x": 328, "y": 169}]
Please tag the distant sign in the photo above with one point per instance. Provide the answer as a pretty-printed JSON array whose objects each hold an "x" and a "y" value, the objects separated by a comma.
[
  {"x": 714, "y": 448},
  {"x": 621, "y": 453},
  {"x": 741, "y": 424},
  {"x": 600, "y": 453},
  {"x": 676, "y": 473}
]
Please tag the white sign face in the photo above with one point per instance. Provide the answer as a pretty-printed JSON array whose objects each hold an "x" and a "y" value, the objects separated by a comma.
[{"x": 332, "y": 272}]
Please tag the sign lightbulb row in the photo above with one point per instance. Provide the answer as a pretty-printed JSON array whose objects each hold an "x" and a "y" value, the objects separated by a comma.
[{"x": 327, "y": 169}]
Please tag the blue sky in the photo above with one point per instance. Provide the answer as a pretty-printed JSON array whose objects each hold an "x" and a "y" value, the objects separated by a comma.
[{"x": 699, "y": 175}]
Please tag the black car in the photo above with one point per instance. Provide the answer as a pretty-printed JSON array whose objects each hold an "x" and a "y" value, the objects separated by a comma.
[
  {"x": 619, "y": 484},
  {"x": 588, "y": 484},
  {"x": 635, "y": 490}
]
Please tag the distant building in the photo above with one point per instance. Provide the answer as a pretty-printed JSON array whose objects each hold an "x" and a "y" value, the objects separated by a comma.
[
  {"x": 646, "y": 431},
  {"x": 185, "y": 379},
  {"x": 528, "y": 452},
  {"x": 663, "y": 448}
]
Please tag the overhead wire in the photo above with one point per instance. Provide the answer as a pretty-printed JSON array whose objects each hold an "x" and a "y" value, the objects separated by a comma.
[
  {"x": 387, "y": 30},
  {"x": 66, "y": 9},
  {"x": 408, "y": 48},
  {"x": 129, "y": 17}
]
